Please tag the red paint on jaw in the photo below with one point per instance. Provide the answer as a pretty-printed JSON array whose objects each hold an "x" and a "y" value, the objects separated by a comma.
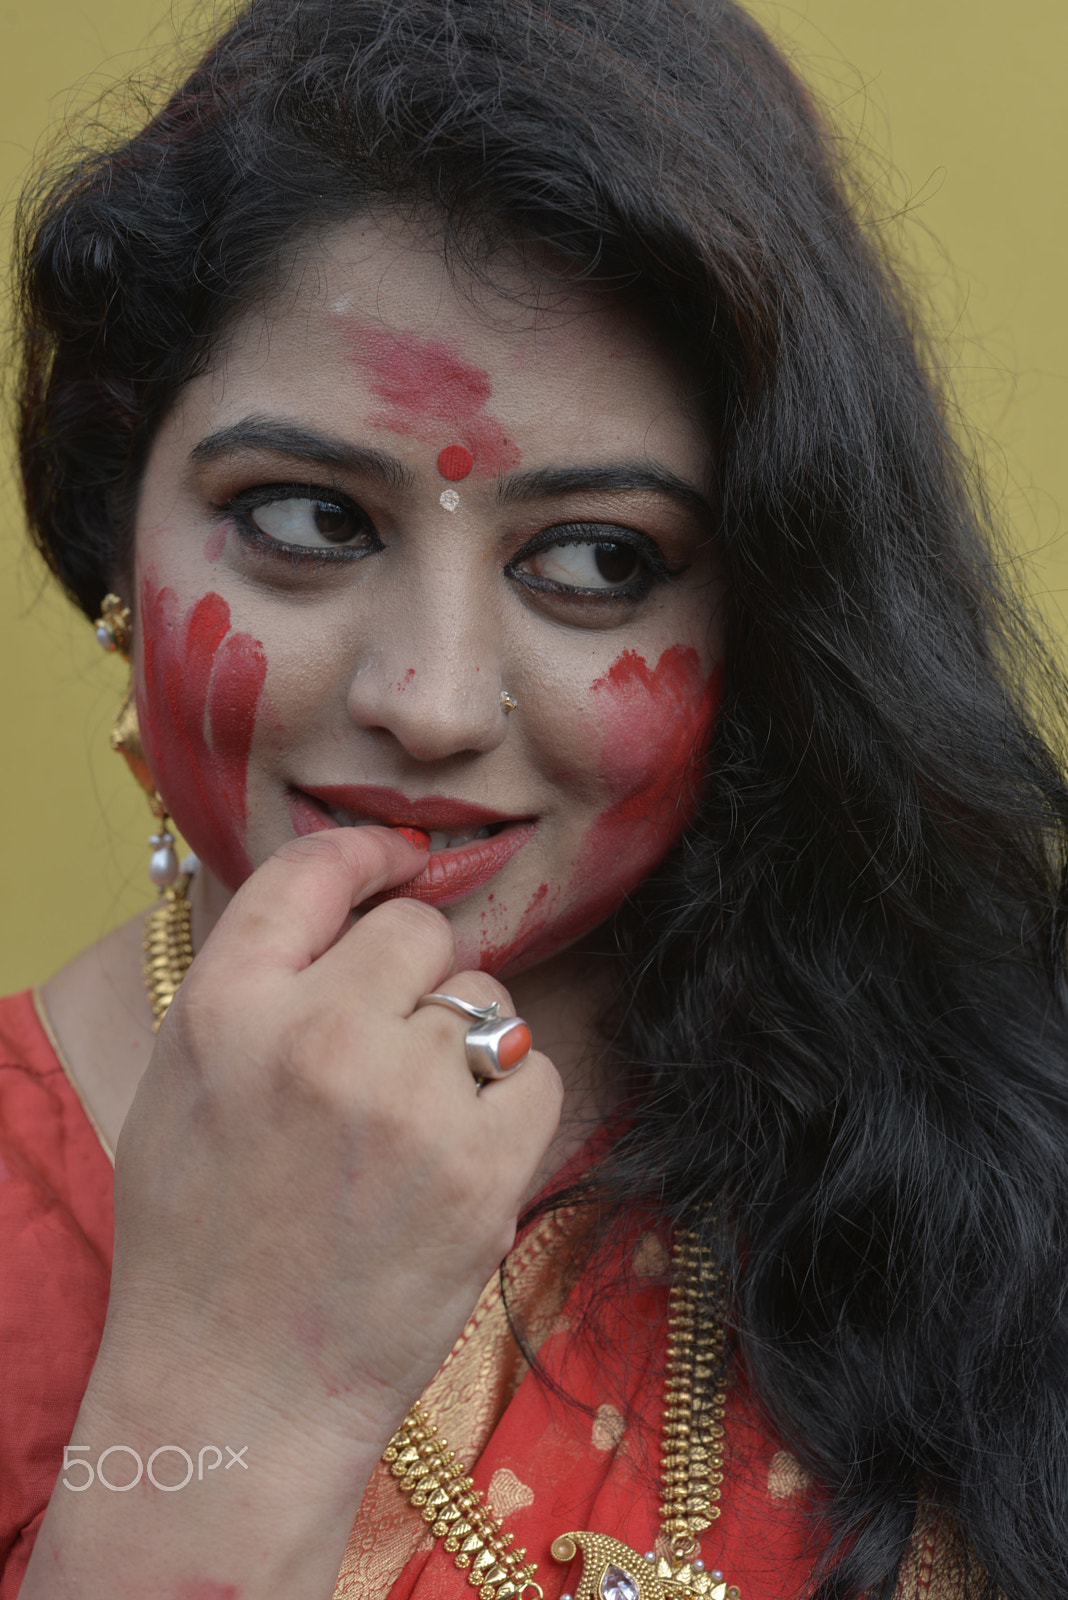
[
  {"x": 196, "y": 705},
  {"x": 427, "y": 389},
  {"x": 653, "y": 729}
]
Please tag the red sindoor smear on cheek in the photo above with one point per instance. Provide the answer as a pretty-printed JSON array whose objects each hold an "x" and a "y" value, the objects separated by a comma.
[
  {"x": 428, "y": 389},
  {"x": 196, "y": 705},
  {"x": 653, "y": 729}
]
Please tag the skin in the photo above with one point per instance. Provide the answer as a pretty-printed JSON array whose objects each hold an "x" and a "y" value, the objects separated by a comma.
[{"x": 273, "y": 1280}]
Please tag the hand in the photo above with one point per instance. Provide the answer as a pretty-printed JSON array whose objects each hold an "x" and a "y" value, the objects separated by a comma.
[{"x": 310, "y": 1194}]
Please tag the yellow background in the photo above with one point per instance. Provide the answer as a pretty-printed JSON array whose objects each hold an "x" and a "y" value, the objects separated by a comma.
[{"x": 958, "y": 111}]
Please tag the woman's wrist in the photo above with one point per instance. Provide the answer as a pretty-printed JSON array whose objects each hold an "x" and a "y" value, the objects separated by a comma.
[{"x": 206, "y": 1496}]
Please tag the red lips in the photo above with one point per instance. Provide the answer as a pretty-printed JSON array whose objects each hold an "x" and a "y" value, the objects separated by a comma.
[{"x": 449, "y": 875}]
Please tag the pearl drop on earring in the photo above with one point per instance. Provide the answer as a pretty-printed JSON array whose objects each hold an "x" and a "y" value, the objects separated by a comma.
[{"x": 163, "y": 866}]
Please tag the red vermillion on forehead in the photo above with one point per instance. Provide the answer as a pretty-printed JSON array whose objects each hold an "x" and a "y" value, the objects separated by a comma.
[
  {"x": 454, "y": 462},
  {"x": 426, "y": 387}
]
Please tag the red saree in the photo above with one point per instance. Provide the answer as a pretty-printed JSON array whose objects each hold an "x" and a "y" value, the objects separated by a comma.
[
  {"x": 585, "y": 1457},
  {"x": 577, "y": 1453}
]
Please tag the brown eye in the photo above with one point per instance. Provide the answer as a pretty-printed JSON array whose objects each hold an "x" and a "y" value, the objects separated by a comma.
[
  {"x": 304, "y": 522},
  {"x": 616, "y": 563},
  {"x": 589, "y": 564},
  {"x": 332, "y": 522}
]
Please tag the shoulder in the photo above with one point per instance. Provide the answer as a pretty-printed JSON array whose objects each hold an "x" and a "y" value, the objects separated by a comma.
[
  {"x": 55, "y": 1259},
  {"x": 47, "y": 1141}
]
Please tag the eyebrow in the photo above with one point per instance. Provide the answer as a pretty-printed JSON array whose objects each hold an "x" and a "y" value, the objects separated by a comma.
[
  {"x": 625, "y": 477},
  {"x": 542, "y": 483},
  {"x": 303, "y": 444}
]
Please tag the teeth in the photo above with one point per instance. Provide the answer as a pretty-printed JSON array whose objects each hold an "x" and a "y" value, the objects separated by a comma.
[{"x": 438, "y": 840}]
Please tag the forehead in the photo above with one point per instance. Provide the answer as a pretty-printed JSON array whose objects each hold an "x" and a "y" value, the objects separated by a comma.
[{"x": 372, "y": 309}]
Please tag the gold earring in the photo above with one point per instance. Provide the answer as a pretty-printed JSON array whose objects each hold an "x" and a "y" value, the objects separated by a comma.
[
  {"x": 126, "y": 739},
  {"x": 112, "y": 627},
  {"x": 508, "y": 702}
]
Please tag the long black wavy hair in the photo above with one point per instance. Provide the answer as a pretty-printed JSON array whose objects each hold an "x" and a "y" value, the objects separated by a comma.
[{"x": 844, "y": 1012}]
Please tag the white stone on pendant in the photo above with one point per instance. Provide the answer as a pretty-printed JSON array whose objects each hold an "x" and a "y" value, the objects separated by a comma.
[
  {"x": 650, "y": 1556},
  {"x": 104, "y": 637},
  {"x": 619, "y": 1585},
  {"x": 698, "y": 1566},
  {"x": 163, "y": 867},
  {"x": 717, "y": 1577}
]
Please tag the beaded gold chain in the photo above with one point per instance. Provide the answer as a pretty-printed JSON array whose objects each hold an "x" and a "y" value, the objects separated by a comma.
[
  {"x": 692, "y": 1446},
  {"x": 427, "y": 1471}
]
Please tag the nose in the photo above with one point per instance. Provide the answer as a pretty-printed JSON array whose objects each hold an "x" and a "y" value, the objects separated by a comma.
[{"x": 431, "y": 678}]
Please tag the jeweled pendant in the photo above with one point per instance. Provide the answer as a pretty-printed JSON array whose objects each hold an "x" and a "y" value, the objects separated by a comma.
[
  {"x": 617, "y": 1584},
  {"x": 612, "y": 1571}
]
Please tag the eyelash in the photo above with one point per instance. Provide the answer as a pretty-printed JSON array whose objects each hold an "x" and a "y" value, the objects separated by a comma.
[
  {"x": 238, "y": 507},
  {"x": 656, "y": 568}
]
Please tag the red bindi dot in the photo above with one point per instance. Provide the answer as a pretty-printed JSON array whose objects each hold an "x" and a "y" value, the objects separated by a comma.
[{"x": 455, "y": 462}]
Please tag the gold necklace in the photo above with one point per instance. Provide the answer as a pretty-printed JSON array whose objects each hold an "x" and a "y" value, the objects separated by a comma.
[
  {"x": 691, "y": 1474},
  {"x": 427, "y": 1471}
]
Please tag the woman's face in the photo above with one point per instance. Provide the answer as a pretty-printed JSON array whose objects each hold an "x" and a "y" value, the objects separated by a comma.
[{"x": 394, "y": 495}]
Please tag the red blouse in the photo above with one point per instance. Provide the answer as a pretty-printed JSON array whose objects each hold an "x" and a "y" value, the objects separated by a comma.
[{"x": 56, "y": 1225}]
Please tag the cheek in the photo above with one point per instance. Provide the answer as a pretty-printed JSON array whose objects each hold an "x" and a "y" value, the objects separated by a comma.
[
  {"x": 199, "y": 689},
  {"x": 651, "y": 729}
]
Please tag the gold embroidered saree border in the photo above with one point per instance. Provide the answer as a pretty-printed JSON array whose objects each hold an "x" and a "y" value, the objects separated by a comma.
[{"x": 467, "y": 1398}]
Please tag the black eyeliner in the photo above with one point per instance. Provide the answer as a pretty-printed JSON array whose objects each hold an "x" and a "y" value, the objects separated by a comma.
[
  {"x": 239, "y": 507},
  {"x": 595, "y": 533}
]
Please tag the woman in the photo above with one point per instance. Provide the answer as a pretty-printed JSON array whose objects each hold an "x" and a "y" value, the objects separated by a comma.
[{"x": 501, "y": 444}]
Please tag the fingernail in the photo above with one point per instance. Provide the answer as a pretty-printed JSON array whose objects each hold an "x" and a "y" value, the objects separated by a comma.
[{"x": 417, "y": 836}]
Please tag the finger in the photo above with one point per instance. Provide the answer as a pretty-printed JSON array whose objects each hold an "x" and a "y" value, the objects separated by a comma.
[
  {"x": 447, "y": 1030},
  {"x": 388, "y": 958},
  {"x": 519, "y": 1116},
  {"x": 477, "y": 988},
  {"x": 294, "y": 906}
]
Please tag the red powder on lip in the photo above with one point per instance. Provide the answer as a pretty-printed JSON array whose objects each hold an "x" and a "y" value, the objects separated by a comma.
[
  {"x": 454, "y": 462},
  {"x": 196, "y": 704},
  {"x": 427, "y": 387}
]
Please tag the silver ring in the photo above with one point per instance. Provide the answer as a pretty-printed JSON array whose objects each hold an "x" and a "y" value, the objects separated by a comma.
[{"x": 488, "y": 1033}]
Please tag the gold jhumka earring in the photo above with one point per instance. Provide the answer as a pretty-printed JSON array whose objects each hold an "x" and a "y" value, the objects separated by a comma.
[{"x": 168, "y": 945}]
